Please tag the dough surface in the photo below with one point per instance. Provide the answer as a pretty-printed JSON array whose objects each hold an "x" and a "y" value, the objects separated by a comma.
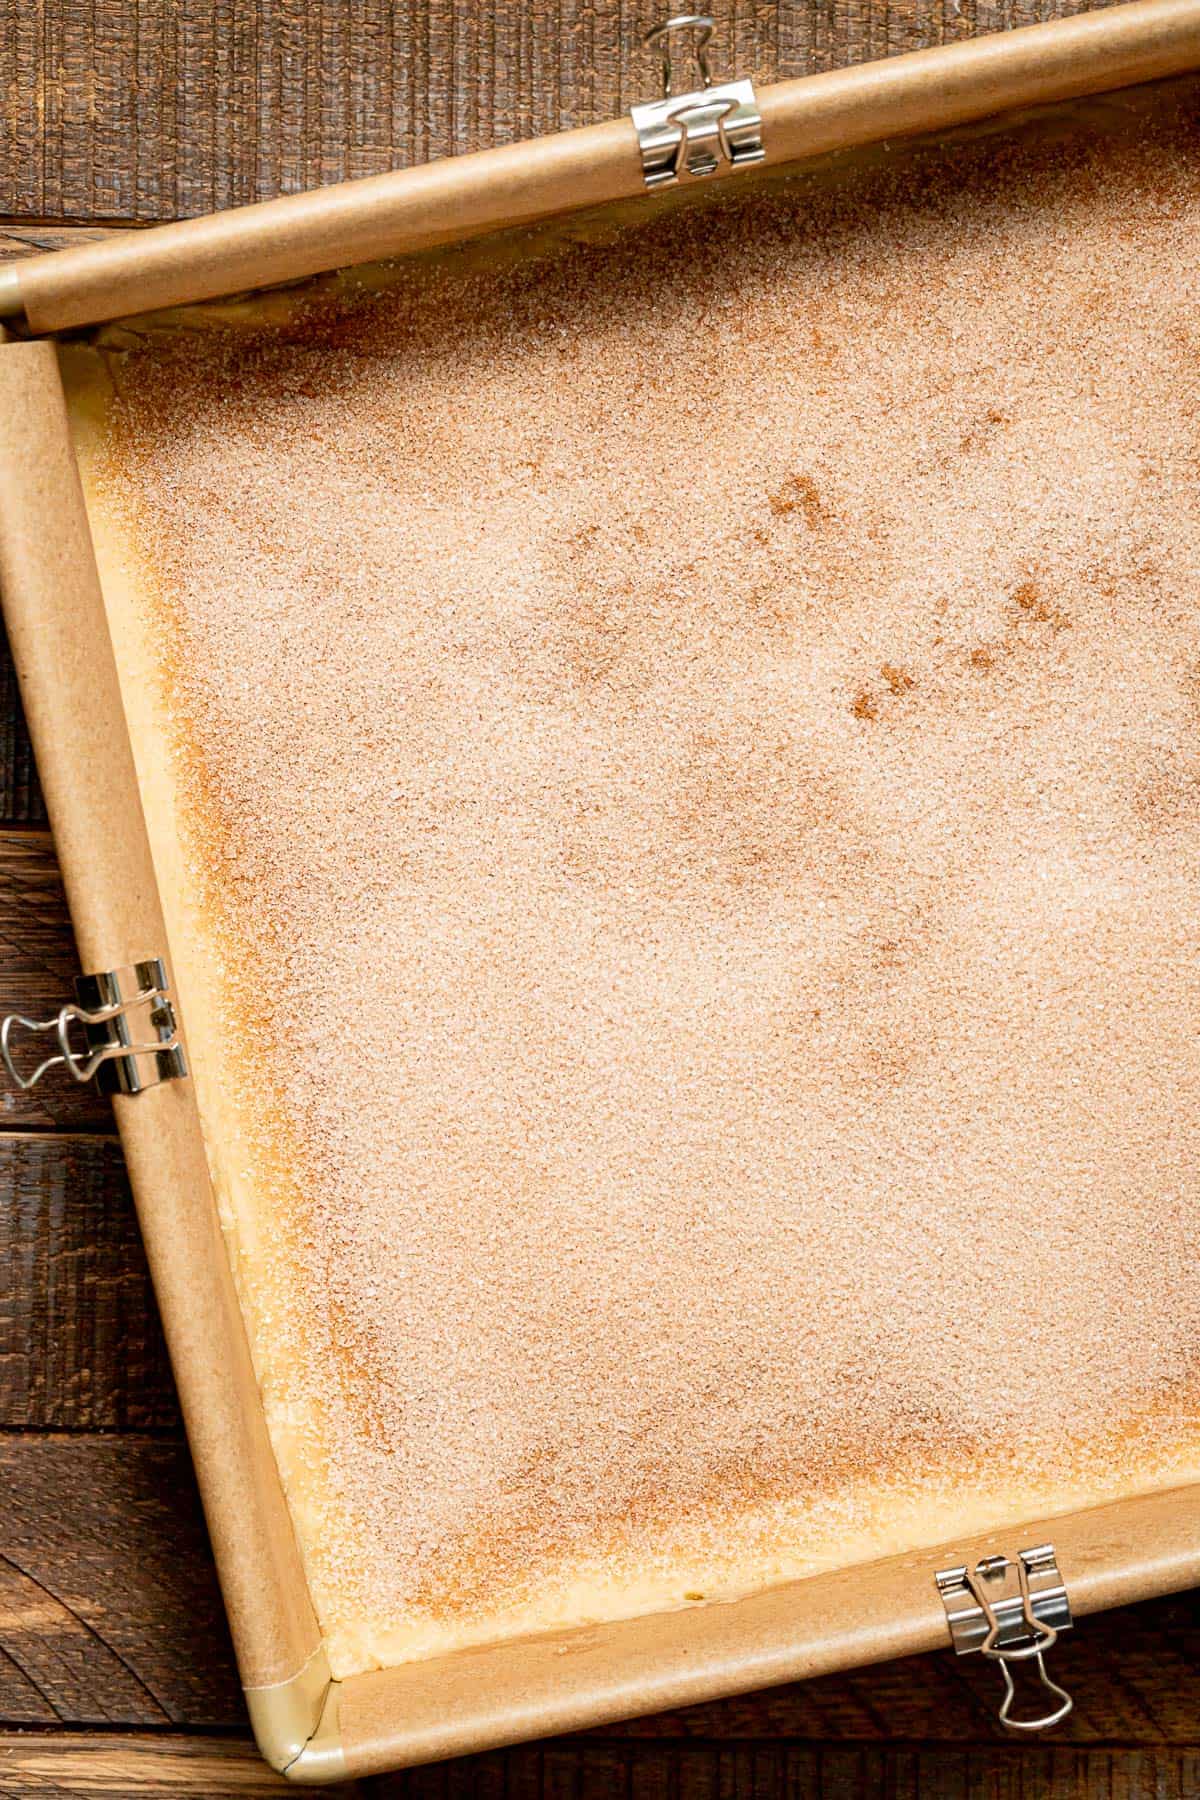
[{"x": 672, "y": 762}]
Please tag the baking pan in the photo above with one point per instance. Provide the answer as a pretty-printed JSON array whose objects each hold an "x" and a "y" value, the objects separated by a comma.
[{"x": 315, "y": 1728}]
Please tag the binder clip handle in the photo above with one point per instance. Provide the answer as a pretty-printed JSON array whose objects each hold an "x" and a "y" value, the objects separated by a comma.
[
  {"x": 130, "y": 1037},
  {"x": 663, "y": 34}
]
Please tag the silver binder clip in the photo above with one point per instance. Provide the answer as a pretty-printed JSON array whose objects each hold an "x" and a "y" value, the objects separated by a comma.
[
  {"x": 120, "y": 1032},
  {"x": 1013, "y": 1613},
  {"x": 685, "y": 137}
]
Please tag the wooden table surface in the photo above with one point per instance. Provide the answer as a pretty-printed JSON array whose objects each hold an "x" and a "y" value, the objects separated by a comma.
[{"x": 116, "y": 1676}]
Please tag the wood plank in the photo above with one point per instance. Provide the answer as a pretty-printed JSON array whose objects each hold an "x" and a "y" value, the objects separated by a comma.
[
  {"x": 31, "y": 240},
  {"x": 38, "y": 965},
  {"x": 146, "y": 110},
  {"x": 122, "y": 1767},
  {"x": 80, "y": 1343},
  {"x": 109, "y": 1611},
  {"x": 818, "y": 1771},
  {"x": 21, "y": 800}
]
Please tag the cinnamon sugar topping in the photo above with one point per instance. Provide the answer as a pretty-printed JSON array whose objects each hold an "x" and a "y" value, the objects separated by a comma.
[{"x": 732, "y": 915}]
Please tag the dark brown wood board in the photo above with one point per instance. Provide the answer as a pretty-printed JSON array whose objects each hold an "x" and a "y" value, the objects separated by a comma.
[
  {"x": 80, "y": 1344},
  {"x": 122, "y": 110},
  {"x": 116, "y": 1677},
  {"x": 38, "y": 963},
  {"x": 125, "y": 1765}
]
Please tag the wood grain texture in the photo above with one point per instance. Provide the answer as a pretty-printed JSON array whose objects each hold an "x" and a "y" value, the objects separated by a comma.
[
  {"x": 149, "y": 110},
  {"x": 125, "y": 1766},
  {"x": 31, "y": 240},
  {"x": 38, "y": 965},
  {"x": 80, "y": 1343},
  {"x": 20, "y": 796},
  {"x": 107, "y": 1594},
  {"x": 580, "y": 1771}
]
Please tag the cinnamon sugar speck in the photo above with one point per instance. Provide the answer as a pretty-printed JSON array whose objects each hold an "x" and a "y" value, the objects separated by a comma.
[{"x": 697, "y": 735}]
